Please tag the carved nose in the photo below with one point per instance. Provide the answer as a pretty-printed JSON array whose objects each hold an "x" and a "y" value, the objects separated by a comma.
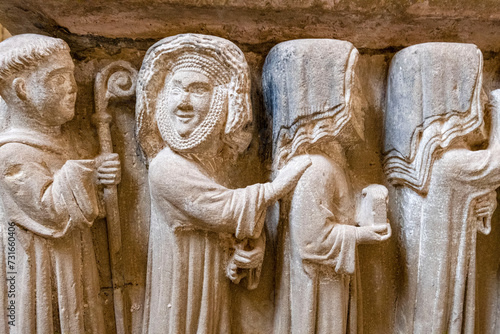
[
  {"x": 185, "y": 103},
  {"x": 185, "y": 106},
  {"x": 73, "y": 86}
]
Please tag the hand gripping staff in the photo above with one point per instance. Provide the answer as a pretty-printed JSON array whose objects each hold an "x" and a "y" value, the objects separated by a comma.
[{"x": 116, "y": 80}]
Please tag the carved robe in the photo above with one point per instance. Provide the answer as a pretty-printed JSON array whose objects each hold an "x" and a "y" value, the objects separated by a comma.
[
  {"x": 433, "y": 100},
  {"x": 192, "y": 217},
  {"x": 444, "y": 300},
  {"x": 317, "y": 283},
  {"x": 311, "y": 91},
  {"x": 52, "y": 201}
]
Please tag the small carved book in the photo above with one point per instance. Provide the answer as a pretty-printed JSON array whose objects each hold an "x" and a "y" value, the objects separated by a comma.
[{"x": 372, "y": 208}]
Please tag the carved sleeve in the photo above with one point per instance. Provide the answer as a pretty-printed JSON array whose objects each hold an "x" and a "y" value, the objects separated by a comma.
[
  {"x": 317, "y": 224},
  {"x": 207, "y": 205},
  {"x": 44, "y": 203},
  {"x": 476, "y": 168}
]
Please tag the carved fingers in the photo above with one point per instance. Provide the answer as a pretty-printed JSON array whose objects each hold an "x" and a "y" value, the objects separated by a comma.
[
  {"x": 485, "y": 205},
  {"x": 373, "y": 233},
  {"x": 289, "y": 175},
  {"x": 108, "y": 169},
  {"x": 248, "y": 259},
  {"x": 232, "y": 273},
  {"x": 248, "y": 254},
  {"x": 483, "y": 208}
]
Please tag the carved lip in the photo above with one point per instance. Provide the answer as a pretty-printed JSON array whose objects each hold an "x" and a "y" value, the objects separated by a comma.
[{"x": 184, "y": 116}]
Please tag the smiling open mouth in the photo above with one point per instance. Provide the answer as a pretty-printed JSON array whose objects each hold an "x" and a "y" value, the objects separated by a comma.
[{"x": 184, "y": 115}]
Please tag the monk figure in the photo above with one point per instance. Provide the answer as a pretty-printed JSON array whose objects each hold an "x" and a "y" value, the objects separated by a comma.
[{"x": 49, "y": 198}]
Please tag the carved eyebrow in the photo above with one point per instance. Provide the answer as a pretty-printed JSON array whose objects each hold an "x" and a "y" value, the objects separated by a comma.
[
  {"x": 199, "y": 85},
  {"x": 61, "y": 70},
  {"x": 176, "y": 82}
]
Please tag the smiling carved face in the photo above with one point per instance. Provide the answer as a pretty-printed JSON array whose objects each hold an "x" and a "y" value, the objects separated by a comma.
[{"x": 189, "y": 99}]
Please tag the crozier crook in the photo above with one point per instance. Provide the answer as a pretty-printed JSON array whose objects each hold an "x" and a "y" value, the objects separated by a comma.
[{"x": 116, "y": 80}]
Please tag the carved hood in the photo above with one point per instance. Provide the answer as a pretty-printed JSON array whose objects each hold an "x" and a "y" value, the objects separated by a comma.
[
  {"x": 305, "y": 81},
  {"x": 433, "y": 97},
  {"x": 222, "y": 61}
]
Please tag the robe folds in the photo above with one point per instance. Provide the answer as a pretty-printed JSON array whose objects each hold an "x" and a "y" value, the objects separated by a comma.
[
  {"x": 51, "y": 201},
  {"x": 317, "y": 283},
  {"x": 192, "y": 219},
  {"x": 441, "y": 262}
]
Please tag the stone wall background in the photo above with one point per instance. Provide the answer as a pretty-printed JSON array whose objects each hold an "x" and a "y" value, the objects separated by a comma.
[
  {"x": 101, "y": 32},
  {"x": 4, "y": 34}
]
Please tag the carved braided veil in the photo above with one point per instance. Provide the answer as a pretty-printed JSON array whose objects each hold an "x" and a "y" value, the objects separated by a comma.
[
  {"x": 222, "y": 61},
  {"x": 433, "y": 97}
]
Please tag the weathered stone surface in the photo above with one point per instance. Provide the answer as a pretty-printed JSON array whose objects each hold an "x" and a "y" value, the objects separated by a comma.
[
  {"x": 4, "y": 34},
  {"x": 373, "y": 24},
  {"x": 49, "y": 195},
  {"x": 312, "y": 92},
  {"x": 444, "y": 185},
  {"x": 100, "y": 33},
  {"x": 193, "y": 114}
]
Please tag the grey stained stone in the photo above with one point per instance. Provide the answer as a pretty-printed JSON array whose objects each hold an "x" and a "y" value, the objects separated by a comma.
[
  {"x": 395, "y": 131},
  {"x": 444, "y": 186},
  {"x": 311, "y": 90}
]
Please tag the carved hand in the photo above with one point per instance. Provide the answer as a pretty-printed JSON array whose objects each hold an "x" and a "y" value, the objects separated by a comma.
[
  {"x": 108, "y": 169},
  {"x": 373, "y": 233},
  {"x": 252, "y": 258},
  {"x": 483, "y": 209},
  {"x": 289, "y": 175}
]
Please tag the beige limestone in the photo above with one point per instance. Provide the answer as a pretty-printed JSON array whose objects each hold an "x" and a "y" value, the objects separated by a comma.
[
  {"x": 312, "y": 93},
  {"x": 100, "y": 33},
  {"x": 4, "y": 34},
  {"x": 443, "y": 193},
  {"x": 193, "y": 114},
  {"x": 50, "y": 196}
]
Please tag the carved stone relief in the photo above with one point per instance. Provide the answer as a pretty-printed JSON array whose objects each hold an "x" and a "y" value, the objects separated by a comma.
[
  {"x": 444, "y": 185},
  {"x": 50, "y": 198},
  {"x": 193, "y": 112},
  {"x": 311, "y": 91},
  {"x": 176, "y": 232}
]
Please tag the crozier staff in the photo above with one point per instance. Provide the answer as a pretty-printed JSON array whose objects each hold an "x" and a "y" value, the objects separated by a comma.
[{"x": 50, "y": 195}]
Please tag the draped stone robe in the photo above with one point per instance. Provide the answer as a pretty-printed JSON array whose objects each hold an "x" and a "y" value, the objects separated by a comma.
[
  {"x": 192, "y": 217},
  {"x": 440, "y": 297},
  {"x": 52, "y": 201},
  {"x": 434, "y": 100},
  {"x": 317, "y": 284}
]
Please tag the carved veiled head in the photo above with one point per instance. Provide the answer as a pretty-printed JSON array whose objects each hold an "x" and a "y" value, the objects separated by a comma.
[
  {"x": 311, "y": 92},
  {"x": 36, "y": 73},
  {"x": 193, "y": 88},
  {"x": 433, "y": 99}
]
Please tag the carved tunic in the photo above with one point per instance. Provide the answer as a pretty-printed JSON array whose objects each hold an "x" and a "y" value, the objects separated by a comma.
[
  {"x": 191, "y": 217},
  {"x": 445, "y": 290},
  {"x": 53, "y": 201},
  {"x": 433, "y": 100},
  {"x": 318, "y": 283}
]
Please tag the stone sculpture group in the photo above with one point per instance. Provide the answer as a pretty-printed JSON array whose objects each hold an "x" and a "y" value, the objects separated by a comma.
[{"x": 193, "y": 118}]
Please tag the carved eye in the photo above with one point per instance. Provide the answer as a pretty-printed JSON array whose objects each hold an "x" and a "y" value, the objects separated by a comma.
[
  {"x": 59, "y": 79},
  {"x": 176, "y": 90},
  {"x": 199, "y": 91}
]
